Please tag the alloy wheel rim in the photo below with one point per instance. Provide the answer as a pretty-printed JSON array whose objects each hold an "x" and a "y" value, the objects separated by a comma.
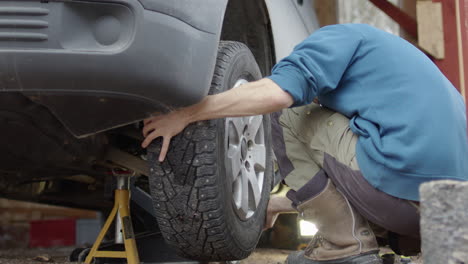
[{"x": 246, "y": 161}]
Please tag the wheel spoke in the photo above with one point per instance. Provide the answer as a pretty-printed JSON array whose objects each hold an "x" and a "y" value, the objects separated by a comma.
[
  {"x": 238, "y": 123},
  {"x": 255, "y": 123},
  {"x": 259, "y": 154},
  {"x": 245, "y": 191},
  {"x": 234, "y": 156},
  {"x": 237, "y": 192},
  {"x": 246, "y": 160},
  {"x": 255, "y": 186}
]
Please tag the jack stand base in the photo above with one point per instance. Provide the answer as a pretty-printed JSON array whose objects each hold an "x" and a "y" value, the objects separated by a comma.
[{"x": 122, "y": 209}]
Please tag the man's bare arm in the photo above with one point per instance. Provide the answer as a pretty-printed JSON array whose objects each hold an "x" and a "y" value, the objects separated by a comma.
[{"x": 255, "y": 98}]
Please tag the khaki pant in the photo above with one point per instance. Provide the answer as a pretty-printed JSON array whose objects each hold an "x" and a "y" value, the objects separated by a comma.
[
  {"x": 311, "y": 131},
  {"x": 318, "y": 138}
]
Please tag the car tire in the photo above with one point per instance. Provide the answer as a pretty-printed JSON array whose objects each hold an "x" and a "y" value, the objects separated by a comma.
[{"x": 203, "y": 211}]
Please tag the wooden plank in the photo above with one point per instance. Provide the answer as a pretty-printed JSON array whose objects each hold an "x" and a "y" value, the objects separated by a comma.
[
  {"x": 327, "y": 12},
  {"x": 430, "y": 28},
  {"x": 50, "y": 212},
  {"x": 18, "y": 211}
]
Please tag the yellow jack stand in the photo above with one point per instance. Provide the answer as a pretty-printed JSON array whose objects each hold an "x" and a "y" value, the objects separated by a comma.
[{"x": 122, "y": 210}]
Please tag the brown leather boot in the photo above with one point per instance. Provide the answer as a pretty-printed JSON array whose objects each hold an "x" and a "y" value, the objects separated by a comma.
[{"x": 344, "y": 236}]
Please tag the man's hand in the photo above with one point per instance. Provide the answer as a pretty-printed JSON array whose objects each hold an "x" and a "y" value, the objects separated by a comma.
[
  {"x": 255, "y": 98},
  {"x": 165, "y": 126}
]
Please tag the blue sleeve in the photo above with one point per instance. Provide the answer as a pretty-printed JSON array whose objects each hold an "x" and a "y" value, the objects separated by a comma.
[{"x": 317, "y": 65}]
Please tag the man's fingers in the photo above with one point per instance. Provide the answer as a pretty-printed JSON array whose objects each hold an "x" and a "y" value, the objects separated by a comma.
[
  {"x": 154, "y": 117},
  {"x": 151, "y": 124},
  {"x": 149, "y": 138},
  {"x": 164, "y": 148},
  {"x": 148, "y": 129},
  {"x": 147, "y": 121},
  {"x": 165, "y": 145}
]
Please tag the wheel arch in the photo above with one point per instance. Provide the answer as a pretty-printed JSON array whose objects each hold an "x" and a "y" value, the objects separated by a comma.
[
  {"x": 274, "y": 35},
  {"x": 290, "y": 30},
  {"x": 248, "y": 22}
]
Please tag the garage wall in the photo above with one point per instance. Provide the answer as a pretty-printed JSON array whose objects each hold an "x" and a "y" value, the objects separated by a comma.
[{"x": 15, "y": 217}]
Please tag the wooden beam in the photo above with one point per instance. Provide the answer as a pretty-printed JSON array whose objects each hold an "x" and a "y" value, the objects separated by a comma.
[
  {"x": 409, "y": 7},
  {"x": 450, "y": 64},
  {"x": 404, "y": 20},
  {"x": 461, "y": 7}
]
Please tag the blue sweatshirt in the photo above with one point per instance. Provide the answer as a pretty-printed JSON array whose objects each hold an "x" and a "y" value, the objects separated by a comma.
[{"x": 410, "y": 120}]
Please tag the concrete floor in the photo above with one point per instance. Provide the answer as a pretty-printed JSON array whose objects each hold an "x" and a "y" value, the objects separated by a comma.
[
  {"x": 60, "y": 255},
  {"x": 26, "y": 256}
]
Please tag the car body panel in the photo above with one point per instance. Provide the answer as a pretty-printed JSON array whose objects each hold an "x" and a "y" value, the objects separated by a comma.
[
  {"x": 113, "y": 56},
  {"x": 207, "y": 12},
  {"x": 98, "y": 64}
]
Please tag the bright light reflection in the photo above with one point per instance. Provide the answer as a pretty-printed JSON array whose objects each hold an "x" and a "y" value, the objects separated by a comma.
[{"x": 307, "y": 228}]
